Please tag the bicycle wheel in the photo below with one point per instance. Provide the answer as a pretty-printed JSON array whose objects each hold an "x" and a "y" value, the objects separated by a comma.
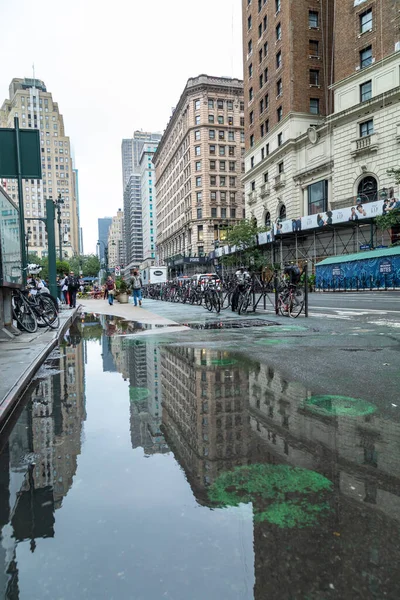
[
  {"x": 24, "y": 314},
  {"x": 216, "y": 303},
  {"x": 244, "y": 303},
  {"x": 296, "y": 304},
  {"x": 283, "y": 305},
  {"x": 49, "y": 313},
  {"x": 207, "y": 302}
]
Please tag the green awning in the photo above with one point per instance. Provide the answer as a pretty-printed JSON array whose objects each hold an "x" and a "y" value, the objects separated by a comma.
[{"x": 343, "y": 258}]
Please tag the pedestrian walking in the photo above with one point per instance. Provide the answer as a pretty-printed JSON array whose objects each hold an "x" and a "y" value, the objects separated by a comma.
[
  {"x": 137, "y": 285},
  {"x": 73, "y": 286},
  {"x": 110, "y": 287},
  {"x": 64, "y": 288}
]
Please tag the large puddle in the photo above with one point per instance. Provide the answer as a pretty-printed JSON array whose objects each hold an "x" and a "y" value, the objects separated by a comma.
[{"x": 144, "y": 467}]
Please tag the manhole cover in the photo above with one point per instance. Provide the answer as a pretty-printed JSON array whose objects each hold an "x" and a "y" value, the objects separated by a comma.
[{"x": 231, "y": 324}]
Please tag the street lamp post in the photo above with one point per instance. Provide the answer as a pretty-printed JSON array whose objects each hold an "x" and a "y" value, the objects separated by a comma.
[
  {"x": 27, "y": 235},
  {"x": 59, "y": 203}
]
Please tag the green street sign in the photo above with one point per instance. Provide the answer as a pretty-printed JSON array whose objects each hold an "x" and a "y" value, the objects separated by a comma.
[{"x": 31, "y": 167}]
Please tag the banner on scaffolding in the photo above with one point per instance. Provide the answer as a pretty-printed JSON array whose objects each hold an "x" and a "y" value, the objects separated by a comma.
[{"x": 355, "y": 213}]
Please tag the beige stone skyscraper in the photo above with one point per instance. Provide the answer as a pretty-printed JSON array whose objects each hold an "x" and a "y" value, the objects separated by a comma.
[
  {"x": 30, "y": 101},
  {"x": 116, "y": 241},
  {"x": 199, "y": 166}
]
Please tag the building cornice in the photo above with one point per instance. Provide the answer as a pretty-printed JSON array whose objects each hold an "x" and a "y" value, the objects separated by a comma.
[
  {"x": 306, "y": 173},
  {"x": 369, "y": 106}
]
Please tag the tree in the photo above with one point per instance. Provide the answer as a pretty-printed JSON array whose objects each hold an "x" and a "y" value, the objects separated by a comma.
[
  {"x": 89, "y": 264},
  {"x": 392, "y": 218},
  {"x": 244, "y": 237}
]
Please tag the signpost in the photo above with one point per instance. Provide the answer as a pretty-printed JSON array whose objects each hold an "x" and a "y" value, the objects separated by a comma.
[{"x": 20, "y": 159}]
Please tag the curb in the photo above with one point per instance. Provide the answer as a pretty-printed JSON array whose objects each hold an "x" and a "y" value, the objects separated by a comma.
[{"x": 9, "y": 402}]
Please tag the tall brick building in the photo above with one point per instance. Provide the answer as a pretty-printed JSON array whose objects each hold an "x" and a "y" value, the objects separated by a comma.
[
  {"x": 199, "y": 167},
  {"x": 321, "y": 89}
]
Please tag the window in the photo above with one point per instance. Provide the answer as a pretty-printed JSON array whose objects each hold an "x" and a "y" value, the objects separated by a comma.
[
  {"x": 281, "y": 168},
  {"x": 222, "y": 181},
  {"x": 317, "y": 197},
  {"x": 212, "y": 165},
  {"x": 366, "y": 91},
  {"x": 211, "y": 103},
  {"x": 368, "y": 189},
  {"x": 278, "y": 31},
  {"x": 250, "y": 47},
  {"x": 232, "y": 181},
  {"x": 233, "y": 213},
  {"x": 232, "y": 165},
  {"x": 265, "y": 22},
  {"x": 266, "y": 101},
  {"x": 261, "y": 106},
  {"x": 223, "y": 213},
  {"x": 222, "y": 165},
  {"x": 366, "y": 128},
  {"x": 278, "y": 5},
  {"x": 220, "y": 120},
  {"x": 198, "y": 181},
  {"x": 314, "y": 77},
  {"x": 213, "y": 180},
  {"x": 199, "y": 213},
  {"x": 197, "y": 135},
  {"x": 211, "y": 118},
  {"x": 249, "y": 22},
  {"x": 211, "y": 134},
  {"x": 279, "y": 113},
  {"x": 251, "y": 141},
  {"x": 250, "y": 70},
  {"x": 313, "y": 47},
  {"x": 260, "y": 30},
  {"x": 214, "y": 213},
  {"x": 366, "y": 21},
  {"x": 197, "y": 105},
  {"x": 279, "y": 88},
  {"x": 262, "y": 131},
  {"x": 253, "y": 186},
  {"x": 267, "y": 220},
  {"x": 229, "y": 104},
  {"x": 222, "y": 195},
  {"x": 231, "y": 150},
  {"x": 213, "y": 195},
  {"x": 260, "y": 55},
  {"x": 261, "y": 80},
  {"x": 197, "y": 120},
  {"x": 265, "y": 49},
  {"x": 231, "y": 136},
  {"x": 313, "y": 19},
  {"x": 197, "y": 150},
  {"x": 266, "y": 177},
  {"x": 250, "y": 94},
  {"x": 280, "y": 139},
  {"x": 251, "y": 117},
  {"x": 266, "y": 75},
  {"x": 252, "y": 162},
  {"x": 230, "y": 121},
  {"x": 282, "y": 213},
  {"x": 200, "y": 233},
  {"x": 366, "y": 57},
  {"x": 212, "y": 149},
  {"x": 262, "y": 153},
  {"x": 279, "y": 59},
  {"x": 314, "y": 106}
]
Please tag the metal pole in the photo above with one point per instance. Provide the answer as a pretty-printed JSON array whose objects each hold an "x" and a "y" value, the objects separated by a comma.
[
  {"x": 59, "y": 227},
  {"x": 306, "y": 290},
  {"x": 20, "y": 202},
  {"x": 276, "y": 291},
  {"x": 51, "y": 246}
]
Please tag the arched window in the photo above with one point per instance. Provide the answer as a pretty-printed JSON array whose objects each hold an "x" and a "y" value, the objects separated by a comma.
[
  {"x": 282, "y": 212},
  {"x": 268, "y": 220},
  {"x": 368, "y": 189}
]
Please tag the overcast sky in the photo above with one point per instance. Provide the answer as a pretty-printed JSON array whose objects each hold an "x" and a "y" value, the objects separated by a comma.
[{"x": 114, "y": 67}]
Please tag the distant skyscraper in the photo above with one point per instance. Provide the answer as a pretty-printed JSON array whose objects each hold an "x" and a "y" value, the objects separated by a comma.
[
  {"x": 148, "y": 199},
  {"x": 131, "y": 150},
  {"x": 104, "y": 227},
  {"x": 116, "y": 241},
  {"x": 30, "y": 101}
]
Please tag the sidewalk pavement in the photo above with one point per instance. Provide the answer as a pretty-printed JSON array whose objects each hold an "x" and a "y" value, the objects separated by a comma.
[
  {"x": 126, "y": 311},
  {"x": 21, "y": 357}
]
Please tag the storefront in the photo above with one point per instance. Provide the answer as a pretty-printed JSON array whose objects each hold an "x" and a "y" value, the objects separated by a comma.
[{"x": 10, "y": 259}]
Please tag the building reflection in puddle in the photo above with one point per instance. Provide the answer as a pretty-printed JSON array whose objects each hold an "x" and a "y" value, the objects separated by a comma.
[
  {"x": 39, "y": 458},
  {"x": 221, "y": 412}
]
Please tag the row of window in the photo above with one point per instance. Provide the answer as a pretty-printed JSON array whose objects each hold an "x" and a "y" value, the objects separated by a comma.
[
  {"x": 214, "y": 195},
  {"x": 213, "y": 165},
  {"x": 223, "y": 214},
  {"x": 220, "y": 104},
  {"x": 213, "y": 150},
  {"x": 212, "y": 135},
  {"x": 213, "y": 181}
]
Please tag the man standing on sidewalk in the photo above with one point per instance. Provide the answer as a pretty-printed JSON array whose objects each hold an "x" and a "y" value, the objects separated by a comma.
[
  {"x": 73, "y": 286},
  {"x": 110, "y": 287},
  {"x": 137, "y": 288}
]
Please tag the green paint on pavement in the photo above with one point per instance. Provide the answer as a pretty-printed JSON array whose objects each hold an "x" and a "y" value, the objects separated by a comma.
[
  {"x": 279, "y": 328},
  {"x": 138, "y": 394},
  {"x": 340, "y": 406},
  {"x": 223, "y": 362},
  {"x": 282, "y": 495},
  {"x": 272, "y": 341}
]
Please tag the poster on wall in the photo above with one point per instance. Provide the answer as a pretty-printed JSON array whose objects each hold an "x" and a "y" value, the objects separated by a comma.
[{"x": 355, "y": 213}]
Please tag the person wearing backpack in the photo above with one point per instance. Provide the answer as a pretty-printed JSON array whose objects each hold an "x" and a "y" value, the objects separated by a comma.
[
  {"x": 110, "y": 287},
  {"x": 73, "y": 286},
  {"x": 137, "y": 288}
]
